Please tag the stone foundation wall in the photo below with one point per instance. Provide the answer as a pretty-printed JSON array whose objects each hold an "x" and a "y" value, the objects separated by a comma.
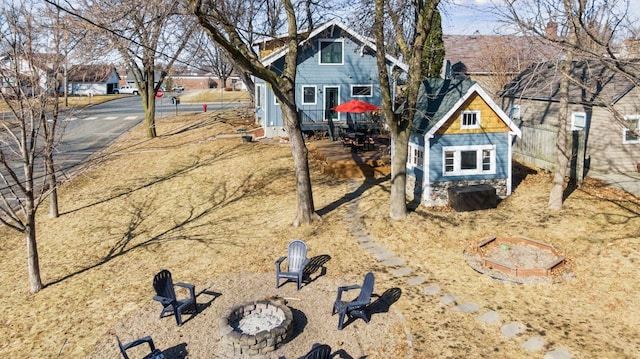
[{"x": 440, "y": 197}]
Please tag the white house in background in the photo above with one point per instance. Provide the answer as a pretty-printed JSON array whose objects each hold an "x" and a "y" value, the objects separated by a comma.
[{"x": 92, "y": 79}]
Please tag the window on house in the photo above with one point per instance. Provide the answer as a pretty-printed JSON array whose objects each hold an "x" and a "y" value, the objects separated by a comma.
[
  {"x": 309, "y": 95},
  {"x": 258, "y": 95},
  {"x": 416, "y": 156},
  {"x": 578, "y": 121},
  {"x": 515, "y": 112},
  {"x": 361, "y": 90},
  {"x": 275, "y": 100},
  {"x": 469, "y": 160},
  {"x": 630, "y": 133},
  {"x": 331, "y": 52},
  {"x": 470, "y": 119}
]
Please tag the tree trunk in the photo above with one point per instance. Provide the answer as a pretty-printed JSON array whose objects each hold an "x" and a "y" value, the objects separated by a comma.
[
  {"x": 149, "y": 102},
  {"x": 305, "y": 213},
  {"x": 398, "y": 205},
  {"x": 562, "y": 158},
  {"x": 33, "y": 263},
  {"x": 53, "y": 186}
]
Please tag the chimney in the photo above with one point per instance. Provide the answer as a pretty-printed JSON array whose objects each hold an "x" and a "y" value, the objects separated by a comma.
[{"x": 552, "y": 30}]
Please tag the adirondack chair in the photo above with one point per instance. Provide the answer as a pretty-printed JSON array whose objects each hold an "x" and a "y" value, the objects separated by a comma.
[
  {"x": 153, "y": 352},
  {"x": 356, "y": 307},
  {"x": 296, "y": 261},
  {"x": 166, "y": 295},
  {"x": 318, "y": 351}
]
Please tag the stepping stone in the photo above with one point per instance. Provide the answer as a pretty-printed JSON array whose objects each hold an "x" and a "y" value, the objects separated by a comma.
[
  {"x": 359, "y": 233},
  {"x": 512, "y": 329},
  {"x": 401, "y": 272},
  {"x": 384, "y": 255},
  {"x": 416, "y": 280},
  {"x": 432, "y": 289},
  {"x": 467, "y": 307},
  {"x": 351, "y": 219},
  {"x": 364, "y": 239},
  {"x": 354, "y": 227},
  {"x": 490, "y": 317},
  {"x": 367, "y": 245},
  {"x": 393, "y": 262},
  {"x": 448, "y": 298},
  {"x": 375, "y": 248},
  {"x": 557, "y": 354},
  {"x": 533, "y": 344}
]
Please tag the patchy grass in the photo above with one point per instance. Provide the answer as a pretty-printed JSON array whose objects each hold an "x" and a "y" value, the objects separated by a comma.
[
  {"x": 213, "y": 95},
  {"x": 196, "y": 204}
]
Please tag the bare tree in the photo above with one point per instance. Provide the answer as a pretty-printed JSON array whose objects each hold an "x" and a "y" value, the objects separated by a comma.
[
  {"x": 231, "y": 36},
  {"x": 412, "y": 23},
  {"x": 588, "y": 30},
  {"x": 144, "y": 32},
  {"x": 28, "y": 87}
]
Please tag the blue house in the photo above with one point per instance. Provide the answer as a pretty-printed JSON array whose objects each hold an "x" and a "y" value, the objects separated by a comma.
[
  {"x": 335, "y": 65},
  {"x": 461, "y": 137}
]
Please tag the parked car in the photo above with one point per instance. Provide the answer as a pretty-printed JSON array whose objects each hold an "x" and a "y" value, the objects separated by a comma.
[
  {"x": 178, "y": 88},
  {"x": 127, "y": 90}
]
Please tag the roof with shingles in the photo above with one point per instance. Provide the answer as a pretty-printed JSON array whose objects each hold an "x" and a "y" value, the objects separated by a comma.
[
  {"x": 594, "y": 84},
  {"x": 89, "y": 73},
  {"x": 435, "y": 98}
]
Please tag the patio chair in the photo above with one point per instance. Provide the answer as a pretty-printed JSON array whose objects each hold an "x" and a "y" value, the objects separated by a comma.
[
  {"x": 318, "y": 351},
  {"x": 166, "y": 295},
  {"x": 153, "y": 352},
  {"x": 296, "y": 261},
  {"x": 356, "y": 307}
]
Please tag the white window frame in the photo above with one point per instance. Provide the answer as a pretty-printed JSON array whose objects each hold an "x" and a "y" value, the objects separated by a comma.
[
  {"x": 575, "y": 126},
  {"x": 370, "y": 87},
  {"x": 515, "y": 112},
  {"x": 472, "y": 126},
  {"x": 315, "y": 94},
  {"x": 320, "y": 42},
  {"x": 626, "y": 130},
  {"x": 275, "y": 99},
  {"x": 416, "y": 156},
  {"x": 481, "y": 159}
]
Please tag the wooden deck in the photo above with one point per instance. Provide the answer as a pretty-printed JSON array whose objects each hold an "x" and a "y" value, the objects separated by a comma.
[{"x": 342, "y": 162}]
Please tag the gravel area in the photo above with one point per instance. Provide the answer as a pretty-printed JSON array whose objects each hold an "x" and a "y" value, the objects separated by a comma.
[{"x": 386, "y": 335}]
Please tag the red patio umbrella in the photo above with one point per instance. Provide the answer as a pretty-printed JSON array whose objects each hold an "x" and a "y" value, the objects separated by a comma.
[{"x": 355, "y": 106}]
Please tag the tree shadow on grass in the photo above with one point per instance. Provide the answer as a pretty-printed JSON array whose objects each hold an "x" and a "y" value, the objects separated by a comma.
[{"x": 348, "y": 197}]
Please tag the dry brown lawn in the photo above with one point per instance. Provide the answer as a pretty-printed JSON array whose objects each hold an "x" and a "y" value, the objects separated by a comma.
[{"x": 207, "y": 207}]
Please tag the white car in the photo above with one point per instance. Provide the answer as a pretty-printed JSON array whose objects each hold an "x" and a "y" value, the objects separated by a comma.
[{"x": 127, "y": 90}]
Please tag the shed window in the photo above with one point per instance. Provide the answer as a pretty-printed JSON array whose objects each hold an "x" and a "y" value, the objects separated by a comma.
[
  {"x": 259, "y": 92},
  {"x": 331, "y": 52},
  {"x": 416, "y": 156},
  {"x": 470, "y": 119},
  {"x": 578, "y": 121},
  {"x": 630, "y": 133},
  {"x": 469, "y": 160}
]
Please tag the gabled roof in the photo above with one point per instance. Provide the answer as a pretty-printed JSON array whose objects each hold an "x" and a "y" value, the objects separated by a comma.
[
  {"x": 439, "y": 99},
  {"x": 541, "y": 82},
  {"x": 272, "y": 57},
  {"x": 90, "y": 73}
]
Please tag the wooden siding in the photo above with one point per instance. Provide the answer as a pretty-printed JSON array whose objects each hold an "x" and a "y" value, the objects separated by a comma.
[
  {"x": 605, "y": 151},
  {"x": 490, "y": 122}
]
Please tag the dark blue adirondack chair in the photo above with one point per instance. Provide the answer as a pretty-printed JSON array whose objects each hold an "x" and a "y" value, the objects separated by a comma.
[
  {"x": 296, "y": 261},
  {"x": 166, "y": 295},
  {"x": 357, "y": 307},
  {"x": 153, "y": 352},
  {"x": 318, "y": 351}
]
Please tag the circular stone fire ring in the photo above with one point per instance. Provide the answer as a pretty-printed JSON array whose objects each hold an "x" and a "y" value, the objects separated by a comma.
[
  {"x": 517, "y": 259},
  {"x": 257, "y": 327}
]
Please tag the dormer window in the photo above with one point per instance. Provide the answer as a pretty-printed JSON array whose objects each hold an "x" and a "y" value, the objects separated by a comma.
[
  {"x": 470, "y": 119},
  {"x": 331, "y": 52}
]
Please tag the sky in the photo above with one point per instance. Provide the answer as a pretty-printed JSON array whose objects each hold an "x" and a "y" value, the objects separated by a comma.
[{"x": 466, "y": 17}]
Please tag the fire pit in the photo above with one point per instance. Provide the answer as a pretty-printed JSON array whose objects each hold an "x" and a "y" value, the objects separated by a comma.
[
  {"x": 257, "y": 327},
  {"x": 517, "y": 259}
]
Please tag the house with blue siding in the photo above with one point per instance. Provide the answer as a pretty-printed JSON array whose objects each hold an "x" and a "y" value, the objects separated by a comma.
[
  {"x": 335, "y": 65},
  {"x": 460, "y": 137}
]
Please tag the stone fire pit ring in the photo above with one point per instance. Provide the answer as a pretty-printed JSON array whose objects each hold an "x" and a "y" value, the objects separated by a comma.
[{"x": 257, "y": 327}]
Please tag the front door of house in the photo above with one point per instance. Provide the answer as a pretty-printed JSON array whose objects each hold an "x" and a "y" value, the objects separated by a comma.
[{"x": 331, "y": 96}]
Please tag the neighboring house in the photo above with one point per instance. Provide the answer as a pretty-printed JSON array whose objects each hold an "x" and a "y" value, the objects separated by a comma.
[
  {"x": 92, "y": 79},
  {"x": 604, "y": 115},
  {"x": 493, "y": 60},
  {"x": 460, "y": 137},
  {"x": 335, "y": 65},
  {"x": 33, "y": 76}
]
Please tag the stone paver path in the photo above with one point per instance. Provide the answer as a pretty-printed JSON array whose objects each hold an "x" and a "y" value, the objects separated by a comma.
[{"x": 398, "y": 268}]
